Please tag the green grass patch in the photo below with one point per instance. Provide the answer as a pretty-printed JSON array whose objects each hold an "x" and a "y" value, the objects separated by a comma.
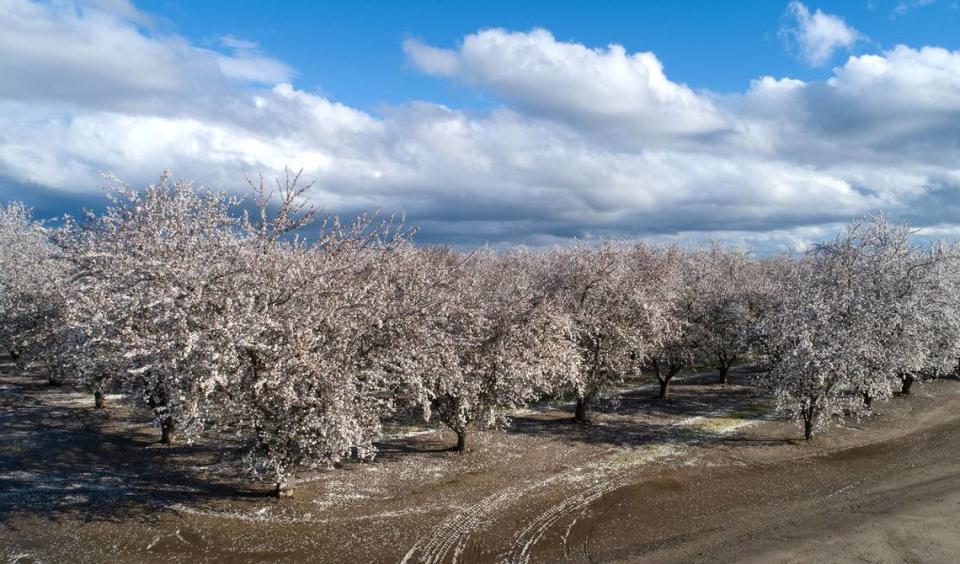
[
  {"x": 638, "y": 456},
  {"x": 403, "y": 429},
  {"x": 750, "y": 411}
]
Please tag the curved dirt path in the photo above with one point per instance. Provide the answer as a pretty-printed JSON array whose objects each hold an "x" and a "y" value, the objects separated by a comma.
[
  {"x": 452, "y": 535},
  {"x": 762, "y": 508},
  {"x": 890, "y": 501}
]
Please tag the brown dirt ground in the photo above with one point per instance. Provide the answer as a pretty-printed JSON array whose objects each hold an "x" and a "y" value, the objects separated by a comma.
[{"x": 706, "y": 476}]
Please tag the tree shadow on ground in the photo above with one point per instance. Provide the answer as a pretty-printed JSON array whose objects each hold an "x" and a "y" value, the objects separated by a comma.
[
  {"x": 642, "y": 418},
  {"x": 639, "y": 417},
  {"x": 392, "y": 449},
  {"x": 58, "y": 459}
]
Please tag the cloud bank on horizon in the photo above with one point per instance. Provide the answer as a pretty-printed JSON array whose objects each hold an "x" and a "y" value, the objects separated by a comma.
[{"x": 582, "y": 140}]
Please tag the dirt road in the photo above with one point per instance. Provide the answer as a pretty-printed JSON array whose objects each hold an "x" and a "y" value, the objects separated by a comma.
[
  {"x": 704, "y": 477},
  {"x": 894, "y": 501}
]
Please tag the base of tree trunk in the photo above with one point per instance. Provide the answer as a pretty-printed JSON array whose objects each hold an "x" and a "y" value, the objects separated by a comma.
[
  {"x": 580, "y": 415},
  {"x": 461, "y": 441},
  {"x": 98, "y": 400},
  {"x": 907, "y": 384},
  {"x": 283, "y": 489},
  {"x": 807, "y": 430},
  {"x": 664, "y": 389},
  {"x": 167, "y": 435},
  {"x": 724, "y": 376}
]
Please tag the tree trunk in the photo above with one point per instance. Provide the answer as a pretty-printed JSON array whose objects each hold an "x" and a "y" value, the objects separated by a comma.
[
  {"x": 807, "y": 428},
  {"x": 868, "y": 400},
  {"x": 462, "y": 441},
  {"x": 580, "y": 415},
  {"x": 98, "y": 401},
  {"x": 724, "y": 374},
  {"x": 664, "y": 388},
  {"x": 284, "y": 487},
  {"x": 167, "y": 431},
  {"x": 907, "y": 383},
  {"x": 15, "y": 355}
]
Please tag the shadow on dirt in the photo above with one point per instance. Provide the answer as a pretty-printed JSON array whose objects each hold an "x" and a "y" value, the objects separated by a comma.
[
  {"x": 695, "y": 412},
  {"x": 57, "y": 459}
]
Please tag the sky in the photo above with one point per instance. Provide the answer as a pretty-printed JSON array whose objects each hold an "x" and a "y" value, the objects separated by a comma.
[{"x": 758, "y": 123}]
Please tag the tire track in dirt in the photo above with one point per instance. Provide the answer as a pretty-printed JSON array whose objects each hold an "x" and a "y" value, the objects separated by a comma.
[
  {"x": 527, "y": 538},
  {"x": 529, "y": 535},
  {"x": 574, "y": 506},
  {"x": 454, "y": 532}
]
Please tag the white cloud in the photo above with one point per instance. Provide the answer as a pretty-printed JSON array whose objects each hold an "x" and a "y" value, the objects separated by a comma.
[
  {"x": 98, "y": 53},
  {"x": 819, "y": 35},
  {"x": 247, "y": 63},
  {"x": 907, "y": 6},
  {"x": 902, "y": 103},
  {"x": 586, "y": 140},
  {"x": 440, "y": 62},
  {"x": 604, "y": 89}
]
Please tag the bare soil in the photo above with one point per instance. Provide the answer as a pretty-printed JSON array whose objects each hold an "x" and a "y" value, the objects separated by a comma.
[{"x": 708, "y": 475}]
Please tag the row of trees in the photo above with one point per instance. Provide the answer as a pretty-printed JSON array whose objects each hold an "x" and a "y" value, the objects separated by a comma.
[{"x": 215, "y": 313}]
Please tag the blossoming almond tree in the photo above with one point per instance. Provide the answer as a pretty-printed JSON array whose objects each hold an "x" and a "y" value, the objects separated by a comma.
[
  {"x": 686, "y": 277},
  {"x": 817, "y": 350},
  {"x": 856, "y": 318},
  {"x": 505, "y": 342},
  {"x": 153, "y": 273},
  {"x": 33, "y": 287},
  {"x": 620, "y": 309},
  {"x": 940, "y": 305},
  {"x": 728, "y": 300},
  {"x": 894, "y": 282},
  {"x": 303, "y": 386}
]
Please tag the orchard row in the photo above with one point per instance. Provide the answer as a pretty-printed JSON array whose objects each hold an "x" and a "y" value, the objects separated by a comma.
[{"x": 300, "y": 335}]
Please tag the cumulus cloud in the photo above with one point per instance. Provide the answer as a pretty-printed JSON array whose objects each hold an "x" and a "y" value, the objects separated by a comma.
[
  {"x": 818, "y": 35},
  {"x": 902, "y": 103},
  {"x": 99, "y": 53},
  {"x": 605, "y": 89},
  {"x": 584, "y": 141}
]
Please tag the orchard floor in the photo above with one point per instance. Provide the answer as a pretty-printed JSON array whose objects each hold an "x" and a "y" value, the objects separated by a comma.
[{"x": 705, "y": 476}]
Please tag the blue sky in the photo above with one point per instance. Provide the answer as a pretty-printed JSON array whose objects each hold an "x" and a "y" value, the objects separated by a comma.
[
  {"x": 351, "y": 50},
  {"x": 765, "y": 124}
]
